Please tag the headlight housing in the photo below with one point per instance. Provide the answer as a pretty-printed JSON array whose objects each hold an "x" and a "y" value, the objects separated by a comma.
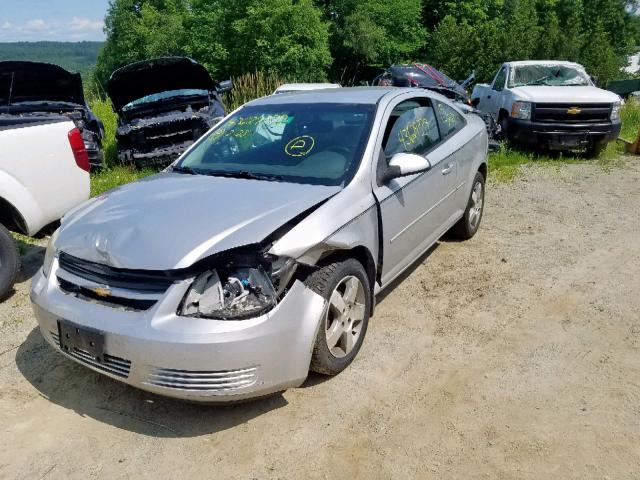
[
  {"x": 615, "y": 112},
  {"x": 235, "y": 291},
  {"x": 521, "y": 110},
  {"x": 50, "y": 254}
]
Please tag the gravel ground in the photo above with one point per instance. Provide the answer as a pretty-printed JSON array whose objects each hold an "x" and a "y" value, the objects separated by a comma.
[{"x": 513, "y": 355}]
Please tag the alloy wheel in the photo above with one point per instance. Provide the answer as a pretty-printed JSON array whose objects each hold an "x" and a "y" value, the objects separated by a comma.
[
  {"x": 345, "y": 316},
  {"x": 477, "y": 201}
]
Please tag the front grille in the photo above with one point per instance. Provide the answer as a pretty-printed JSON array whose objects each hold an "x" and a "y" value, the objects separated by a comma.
[
  {"x": 117, "y": 366},
  {"x": 111, "y": 300},
  {"x": 144, "y": 281},
  {"x": 211, "y": 381},
  {"x": 166, "y": 134},
  {"x": 581, "y": 113}
]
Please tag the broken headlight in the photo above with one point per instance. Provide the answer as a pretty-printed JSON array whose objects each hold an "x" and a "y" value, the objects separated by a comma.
[{"x": 235, "y": 292}]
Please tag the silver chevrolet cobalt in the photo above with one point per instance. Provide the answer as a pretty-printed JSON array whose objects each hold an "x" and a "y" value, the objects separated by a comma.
[{"x": 258, "y": 254}]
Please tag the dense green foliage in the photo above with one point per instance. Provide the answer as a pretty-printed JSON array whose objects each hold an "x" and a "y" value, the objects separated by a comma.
[
  {"x": 347, "y": 40},
  {"x": 73, "y": 56}
]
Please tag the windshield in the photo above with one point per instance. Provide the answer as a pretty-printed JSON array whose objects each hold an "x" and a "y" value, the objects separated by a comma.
[
  {"x": 156, "y": 97},
  {"x": 549, "y": 75},
  {"x": 317, "y": 143}
]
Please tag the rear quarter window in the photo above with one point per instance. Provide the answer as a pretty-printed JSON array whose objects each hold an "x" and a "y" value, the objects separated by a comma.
[{"x": 450, "y": 120}]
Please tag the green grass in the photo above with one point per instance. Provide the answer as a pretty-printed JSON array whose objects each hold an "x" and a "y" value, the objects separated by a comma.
[
  {"x": 102, "y": 109},
  {"x": 115, "y": 176},
  {"x": 630, "y": 121},
  {"x": 506, "y": 164}
]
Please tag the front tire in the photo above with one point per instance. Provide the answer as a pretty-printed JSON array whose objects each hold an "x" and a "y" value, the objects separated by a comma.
[
  {"x": 345, "y": 286},
  {"x": 9, "y": 262},
  {"x": 469, "y": 224}
]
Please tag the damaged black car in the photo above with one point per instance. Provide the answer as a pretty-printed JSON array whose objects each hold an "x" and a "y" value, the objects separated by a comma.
[
  {"x": 163, "y": 106},
  {"x": 29, "y": 90}
]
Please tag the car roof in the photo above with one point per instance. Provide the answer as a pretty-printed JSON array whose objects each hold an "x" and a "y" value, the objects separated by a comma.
[
  {"x": 353, "y": 95},
  {"x": 306, "y": 86},
  {"x": 524, "y": 63}
]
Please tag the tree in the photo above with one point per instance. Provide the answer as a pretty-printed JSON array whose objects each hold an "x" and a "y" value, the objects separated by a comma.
[
  {"x": 599, "y": 56},
  {"x": 140, "y": 29},
  {"x": 284, "y": 37}
]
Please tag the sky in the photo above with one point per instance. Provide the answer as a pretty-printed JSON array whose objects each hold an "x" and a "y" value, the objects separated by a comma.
[{"x": 59, "y": 20}]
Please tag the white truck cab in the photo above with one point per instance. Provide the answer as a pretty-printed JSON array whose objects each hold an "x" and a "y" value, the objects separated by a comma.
[
  {"x": 553, "y": 104},
  {"x": 44, "y": 173}
]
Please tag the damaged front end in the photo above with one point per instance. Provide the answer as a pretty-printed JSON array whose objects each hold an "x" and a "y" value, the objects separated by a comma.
[
  {"x": 238, "y": 286},
  {"x": 31, "y": 92},
  {"x": 164, "y": 105},
  {"x": 147, "y": 137}
]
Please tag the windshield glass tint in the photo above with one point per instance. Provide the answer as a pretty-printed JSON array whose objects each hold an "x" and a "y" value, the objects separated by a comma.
[
  {"x": 156, "y": 97},
  {"x": 306, "y": 143},
  {"x": 550, "y": 75}
]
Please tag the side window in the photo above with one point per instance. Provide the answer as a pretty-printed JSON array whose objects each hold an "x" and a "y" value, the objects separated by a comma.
[
  {"x": 412, "y": 128},
  {"x": 450, "y": 120},
  {"x": 501, "y": 78}
]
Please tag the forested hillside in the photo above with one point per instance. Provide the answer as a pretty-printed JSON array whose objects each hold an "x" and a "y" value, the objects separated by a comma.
[
  {"x": 345, "y": 40},
  {"x": 74, "y": 56}
]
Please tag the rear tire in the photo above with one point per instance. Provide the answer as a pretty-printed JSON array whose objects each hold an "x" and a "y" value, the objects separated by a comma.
[
  {"x": 9, "y": 262},
  {"x": 469, "y": 224},
  {"x": 343, "y": 326}
]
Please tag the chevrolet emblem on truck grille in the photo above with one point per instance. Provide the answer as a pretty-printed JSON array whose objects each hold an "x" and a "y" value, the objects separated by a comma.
[{"x": 574, "y": 111}]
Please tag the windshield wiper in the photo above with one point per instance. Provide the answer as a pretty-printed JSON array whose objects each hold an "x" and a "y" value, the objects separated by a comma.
[
  {"x": 187, "y": 170},
  {"x": 243, "y": 174}
]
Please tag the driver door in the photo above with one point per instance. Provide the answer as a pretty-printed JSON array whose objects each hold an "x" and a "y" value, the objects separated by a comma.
[
  {"x": 494, "y": 95},
  {"x": 414, "y": 209}
]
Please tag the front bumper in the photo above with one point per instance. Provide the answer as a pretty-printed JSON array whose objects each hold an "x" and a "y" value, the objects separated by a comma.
[
  {"x": 562, "y": 135},
  {"x": 189, "y": 358}
]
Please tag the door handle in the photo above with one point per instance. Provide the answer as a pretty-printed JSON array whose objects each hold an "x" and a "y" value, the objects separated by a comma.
[
  {"x": 488, "y": 96},
  {"x": 447, "y": 170}
]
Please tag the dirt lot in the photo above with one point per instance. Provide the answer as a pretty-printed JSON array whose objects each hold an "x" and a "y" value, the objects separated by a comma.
[{"x": 514, "y": 355}]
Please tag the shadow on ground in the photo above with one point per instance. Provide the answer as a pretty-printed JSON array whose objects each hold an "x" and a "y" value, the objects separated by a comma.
[
  {"x": 31, "y": 259},
  {"x": 91, "y": 394}
]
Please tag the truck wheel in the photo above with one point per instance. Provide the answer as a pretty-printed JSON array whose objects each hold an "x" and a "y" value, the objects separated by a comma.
[
  {"x": 504, "y": 129},
  {"x": 345, "y": 286},
  {"x": 9, "y": 262},
  {"x": 468, "y": 225},
  {"x": 596, "y": 149}
]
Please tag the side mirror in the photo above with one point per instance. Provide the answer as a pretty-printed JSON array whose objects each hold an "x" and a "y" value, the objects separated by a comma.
[
  {"x": 225, "y": 86},
  {"x": 405, "y": 164}
]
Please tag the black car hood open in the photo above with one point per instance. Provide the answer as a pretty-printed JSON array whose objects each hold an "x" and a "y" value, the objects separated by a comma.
[
  {"x": 140, "y": 79},
  {"x": 36, "y": 82}
]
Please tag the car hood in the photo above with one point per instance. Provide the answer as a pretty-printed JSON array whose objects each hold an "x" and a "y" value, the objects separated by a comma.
[
  {"x": 37, "y": 82},
  {"x": 140, "y": 79},
  {"x": 170, "y": 220},
  {"x": 564, "y": 94}
]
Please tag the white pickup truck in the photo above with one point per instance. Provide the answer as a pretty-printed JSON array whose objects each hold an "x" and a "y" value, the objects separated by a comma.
[
  {"x": 550, "y": 104},
  {"x": 44, "y": 172}
]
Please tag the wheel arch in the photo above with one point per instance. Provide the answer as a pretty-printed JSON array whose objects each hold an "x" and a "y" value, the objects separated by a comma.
[
  {"x": 11, "y": 217},
  {"x": 360, "y": 253},
  {"x": 484, "y": 170}
]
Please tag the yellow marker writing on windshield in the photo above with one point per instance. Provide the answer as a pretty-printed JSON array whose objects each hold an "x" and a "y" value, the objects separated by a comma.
[{"x": 300, "y": 146}]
